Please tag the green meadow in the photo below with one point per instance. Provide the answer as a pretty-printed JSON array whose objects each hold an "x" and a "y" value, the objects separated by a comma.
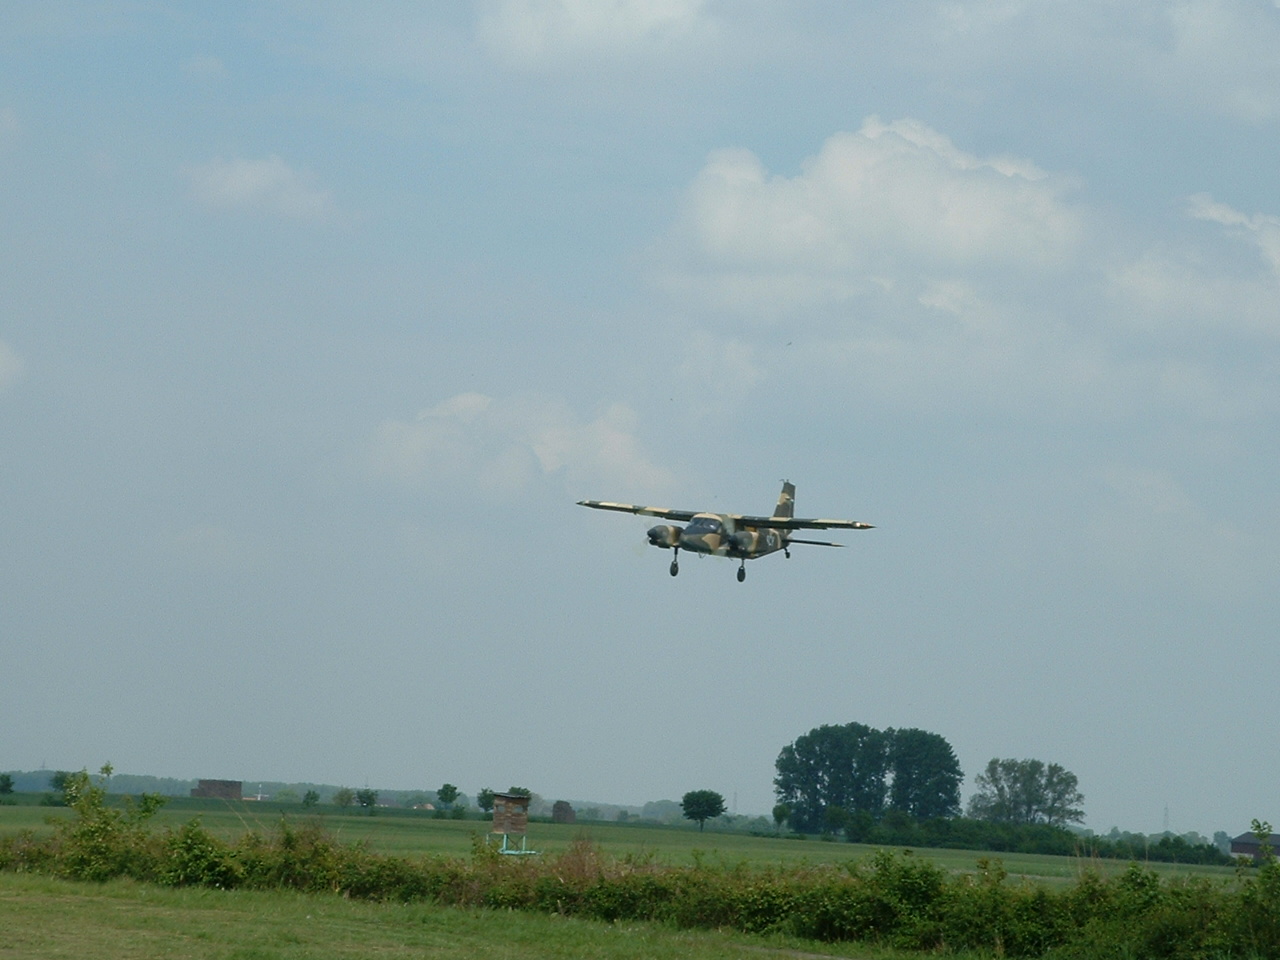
[
  {"x": 403, "y": 833},
  {"x": 252, "y": 882}
]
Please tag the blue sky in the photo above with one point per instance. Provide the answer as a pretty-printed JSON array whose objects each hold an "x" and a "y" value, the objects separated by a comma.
[{"x": 318, "y": 318}]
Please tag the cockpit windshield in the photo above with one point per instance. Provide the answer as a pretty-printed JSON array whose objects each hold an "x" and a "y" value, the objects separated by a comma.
[{"x": 700, "y": 525}]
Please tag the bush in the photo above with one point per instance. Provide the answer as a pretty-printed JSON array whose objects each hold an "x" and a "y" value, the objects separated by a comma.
[{"x": 893, "y": 899}]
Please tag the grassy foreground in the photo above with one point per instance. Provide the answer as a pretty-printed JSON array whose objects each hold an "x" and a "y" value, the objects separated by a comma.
[{"x": 42, "y": 918}]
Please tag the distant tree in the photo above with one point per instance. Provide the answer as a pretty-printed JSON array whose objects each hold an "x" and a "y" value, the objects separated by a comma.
[
  {"x": 310, "y": 799},
  {"x": 6, "y": 784},
  {"x": 1027, "y": 791},
  {"x": 562, "y": 812},
  {"x": 844, "y": 766},
  {"x": 622, "y": 816},
  {"x": 286, "y": 795},
  {"x": 484, "y": 800},
  {"x": 519, "y": 792},
  {"x": 925, "y": 773},
  {"x": 780, "y": 813},
  {"x": 701, "y": 806},
  {"x": 446, "y": 795},
  {"x": 59, "y": 781},
  {"x": 834, "y": 819},
  {"x": 668, "y": 811},
  {"x": 367, "y": 798},
  {"x": 344, "y": 797}
]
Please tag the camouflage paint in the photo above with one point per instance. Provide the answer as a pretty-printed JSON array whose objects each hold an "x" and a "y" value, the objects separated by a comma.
[{"x": 734, "y": 535}]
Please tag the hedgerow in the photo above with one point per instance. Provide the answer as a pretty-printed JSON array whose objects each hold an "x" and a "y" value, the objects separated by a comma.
[{"x": 888, "y": 898}]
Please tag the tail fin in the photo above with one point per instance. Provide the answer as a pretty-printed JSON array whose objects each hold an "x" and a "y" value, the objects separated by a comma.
[{"x": 786, "y": 501}]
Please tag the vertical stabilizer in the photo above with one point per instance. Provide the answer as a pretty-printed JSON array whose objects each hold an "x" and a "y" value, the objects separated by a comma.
[{"x": 786, "y": 501}]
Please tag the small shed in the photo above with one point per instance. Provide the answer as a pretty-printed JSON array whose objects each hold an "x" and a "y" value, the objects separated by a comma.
[
  {"x": 510, "y": 813},
  {"x": 511, "y": 819},
  {"x": 1247, "y": 845}
]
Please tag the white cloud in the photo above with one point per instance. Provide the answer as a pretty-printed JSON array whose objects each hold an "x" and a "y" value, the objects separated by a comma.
[
  {"x": 531, "y": 32},
  {"x": 891, "y": 200},
  {"x": 716, "y": 374},
  {"x": 11, "y": 366},
  {"x": 1224, "y": 54},
  {"x": 1216, "y": 54},
  {"x": 267, "y": 185},
  {"x": 1263, "y": 229},
  {"x": 504, "y": 444},
  {"x": 1182, "y": 286}
]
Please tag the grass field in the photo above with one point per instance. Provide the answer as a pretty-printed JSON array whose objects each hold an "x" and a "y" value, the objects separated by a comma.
[
  {"x": 404, "y": 834},
  {"x": 46, "y": 919}
]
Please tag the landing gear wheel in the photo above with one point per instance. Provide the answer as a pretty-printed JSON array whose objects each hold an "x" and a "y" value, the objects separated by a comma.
[
  {"x": 742, "y": 571},
  {"x": 675, "y": 568}
]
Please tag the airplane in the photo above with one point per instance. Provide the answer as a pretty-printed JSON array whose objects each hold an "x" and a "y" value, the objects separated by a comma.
[{"x": 731, "y": 534}]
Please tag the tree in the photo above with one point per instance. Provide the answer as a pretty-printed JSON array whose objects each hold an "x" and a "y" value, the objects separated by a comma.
[
  {"x": 1026, "y": 791},
  {"x": 6, "y": 784},
  {"x": 310, "y": 799},
  {"x": 843, "y": 766},
  {"x": 367, "y": 798},
  {"x": 344, "y": 797},
  {"x": 447, "y": 794},
  {"x": 925, "y": 773},
  {"x": 781, "y": 811},
  {"x": 702, "y": 805},
  {"x": 484, "y": 800}
]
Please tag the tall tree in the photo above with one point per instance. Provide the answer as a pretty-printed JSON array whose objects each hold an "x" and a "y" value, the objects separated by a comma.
[
  {"x": 843, "y": 766},
  {"x": 702, "y": 805},
  {"x": 926, "y": 775},
  {"x": 1027, "y": 791},
  {"x": 484, "y": 800},
  {"x": 447, "y": 794}
]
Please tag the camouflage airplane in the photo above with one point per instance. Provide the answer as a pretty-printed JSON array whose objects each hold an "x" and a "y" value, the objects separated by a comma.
[{"x": 731, "y": 534}]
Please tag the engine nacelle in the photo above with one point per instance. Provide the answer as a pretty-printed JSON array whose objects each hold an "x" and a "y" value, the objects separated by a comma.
[
  {"x": 744, "y": 541},
  {"x": 665, "y": 536}
]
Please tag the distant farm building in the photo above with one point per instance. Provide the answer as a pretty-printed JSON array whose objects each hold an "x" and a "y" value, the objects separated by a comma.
[
  {"x": 562, "y": 812},
  {"x": 1247, "y": 845},
  {"x": 219, "y": 789}
]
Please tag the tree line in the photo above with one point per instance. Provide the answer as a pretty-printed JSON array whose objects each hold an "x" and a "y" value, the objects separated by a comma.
[
  {"x": 833, "y": 772},
  {"x": 902, "y": 787}
]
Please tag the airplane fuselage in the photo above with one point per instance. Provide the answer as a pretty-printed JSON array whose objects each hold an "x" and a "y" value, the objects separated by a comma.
[
  {"x": 740, "y": 536},
  {"x": 718, "y": 535}
]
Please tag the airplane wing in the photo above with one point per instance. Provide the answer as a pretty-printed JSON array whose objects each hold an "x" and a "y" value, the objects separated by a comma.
[
  {"x": 798, "y": 523},
  {"x": 682, "y": 515}
]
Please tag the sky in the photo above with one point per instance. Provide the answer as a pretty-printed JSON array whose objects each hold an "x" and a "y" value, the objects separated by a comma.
[{"x": 316, "y": 319}]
